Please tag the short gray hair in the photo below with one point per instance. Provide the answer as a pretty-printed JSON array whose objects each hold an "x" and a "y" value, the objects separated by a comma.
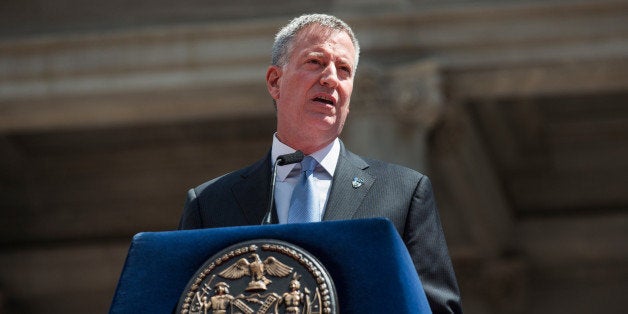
[{"x": 285, "y": 36}]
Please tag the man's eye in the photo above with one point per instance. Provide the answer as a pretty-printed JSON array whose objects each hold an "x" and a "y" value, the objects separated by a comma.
[{"x": 346, "y": 70}]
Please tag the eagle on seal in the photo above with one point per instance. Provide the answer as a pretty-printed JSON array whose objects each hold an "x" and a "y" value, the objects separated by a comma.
[{"x": 257, "y": 270}]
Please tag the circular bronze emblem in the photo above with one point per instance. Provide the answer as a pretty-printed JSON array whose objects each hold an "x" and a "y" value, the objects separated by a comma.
[{"x": 260, "y": 276}]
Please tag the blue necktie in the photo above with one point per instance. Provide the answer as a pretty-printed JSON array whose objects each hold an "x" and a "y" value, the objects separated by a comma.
[{"x": 304, "y": 204}]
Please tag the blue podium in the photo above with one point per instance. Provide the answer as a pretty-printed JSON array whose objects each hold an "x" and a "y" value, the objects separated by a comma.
[{"x": 366, "y": 259}]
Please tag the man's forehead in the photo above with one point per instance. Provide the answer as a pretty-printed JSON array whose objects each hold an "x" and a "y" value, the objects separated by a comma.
[
  {"x": 314, "y": 37},
  {"x": 316, "y": 32}
]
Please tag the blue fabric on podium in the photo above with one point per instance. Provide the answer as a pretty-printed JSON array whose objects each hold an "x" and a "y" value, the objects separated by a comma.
[{"x": 367, "y": 260}]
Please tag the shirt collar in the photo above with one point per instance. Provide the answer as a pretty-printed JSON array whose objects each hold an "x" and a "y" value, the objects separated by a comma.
[{"x": 327, "y": 157}]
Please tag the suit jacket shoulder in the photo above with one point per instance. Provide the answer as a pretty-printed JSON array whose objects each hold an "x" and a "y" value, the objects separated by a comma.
[
  {"x": 366, "y": 187},
  {"x": 236, "y": 198}
]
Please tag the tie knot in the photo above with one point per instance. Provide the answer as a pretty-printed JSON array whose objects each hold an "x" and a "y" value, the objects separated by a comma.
[{"x": 308, "y": 164}]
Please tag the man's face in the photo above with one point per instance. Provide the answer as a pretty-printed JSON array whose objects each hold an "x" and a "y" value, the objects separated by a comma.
[{"x": 313, "y": 89}]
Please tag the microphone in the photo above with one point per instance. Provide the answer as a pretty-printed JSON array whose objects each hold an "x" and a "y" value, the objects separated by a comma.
[{"x": 281, "y": 160}]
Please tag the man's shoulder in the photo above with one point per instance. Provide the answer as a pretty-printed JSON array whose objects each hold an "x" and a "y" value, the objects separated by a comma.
[
  {"x": 382, "y": 168},
  {"x": 226, "y": 181},
  {"x": 223, "y": 181}
]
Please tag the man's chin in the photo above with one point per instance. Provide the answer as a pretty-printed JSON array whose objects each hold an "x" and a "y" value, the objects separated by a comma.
[
  {"x": 322, "y": 119},
  {"x": 325, "y": 125}
]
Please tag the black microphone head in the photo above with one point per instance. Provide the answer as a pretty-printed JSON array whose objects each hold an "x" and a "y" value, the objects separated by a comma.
[{"x": 290, "y": 158}]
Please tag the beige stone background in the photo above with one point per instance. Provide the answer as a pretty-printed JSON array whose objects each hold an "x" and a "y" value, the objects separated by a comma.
[{"x": 517, "y": 110}]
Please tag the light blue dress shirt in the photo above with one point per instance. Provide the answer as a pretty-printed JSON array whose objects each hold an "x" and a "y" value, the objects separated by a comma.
[{"x": 288, "y": 175}]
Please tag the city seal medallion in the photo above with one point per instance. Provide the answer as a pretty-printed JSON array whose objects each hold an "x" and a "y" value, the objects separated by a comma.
[{"x": 259, "y": 277}]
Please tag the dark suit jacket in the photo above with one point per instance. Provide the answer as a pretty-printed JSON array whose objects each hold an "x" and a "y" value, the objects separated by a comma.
[{"x": 402, "y": 195}]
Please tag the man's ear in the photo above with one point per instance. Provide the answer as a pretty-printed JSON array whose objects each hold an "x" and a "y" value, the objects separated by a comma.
[{"x": 273, "y": 75}]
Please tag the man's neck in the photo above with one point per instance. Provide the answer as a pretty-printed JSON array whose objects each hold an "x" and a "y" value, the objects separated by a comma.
[
  {"x": 327, "y": 156},
  {"x": 306, "y": 146}
]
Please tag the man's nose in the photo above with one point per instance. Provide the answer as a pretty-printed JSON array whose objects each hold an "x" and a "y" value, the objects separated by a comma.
[{"x": 329, "y": 77}]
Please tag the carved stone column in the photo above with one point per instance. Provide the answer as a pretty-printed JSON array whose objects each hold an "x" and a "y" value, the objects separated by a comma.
[
  {"x": 401, "y": 115},
  {"x": 392, "y": 111}
]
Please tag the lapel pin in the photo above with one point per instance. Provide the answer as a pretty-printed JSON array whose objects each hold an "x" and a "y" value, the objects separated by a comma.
[{"x": 357, "y": 182}]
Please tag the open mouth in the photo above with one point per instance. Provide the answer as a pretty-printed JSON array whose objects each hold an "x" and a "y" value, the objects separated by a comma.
[{"x": 324, "y": 100}]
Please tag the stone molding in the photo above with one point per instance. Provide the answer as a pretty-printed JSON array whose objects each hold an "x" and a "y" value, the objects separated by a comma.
[{"x": 482, "y": 50}]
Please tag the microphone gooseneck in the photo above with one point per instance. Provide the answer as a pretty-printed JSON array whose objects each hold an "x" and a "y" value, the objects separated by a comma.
[
  {"x": 288, "y": 159},
  {"x": 281, "y": 160}
]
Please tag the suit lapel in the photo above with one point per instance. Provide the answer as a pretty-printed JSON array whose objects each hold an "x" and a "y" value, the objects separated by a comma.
[
  {"x": 253, "y": 190},
  {"x": 346, "y": 197}
]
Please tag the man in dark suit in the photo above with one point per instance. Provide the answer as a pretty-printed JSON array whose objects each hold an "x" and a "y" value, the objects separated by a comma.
[{"x": 310, "y": 80}]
